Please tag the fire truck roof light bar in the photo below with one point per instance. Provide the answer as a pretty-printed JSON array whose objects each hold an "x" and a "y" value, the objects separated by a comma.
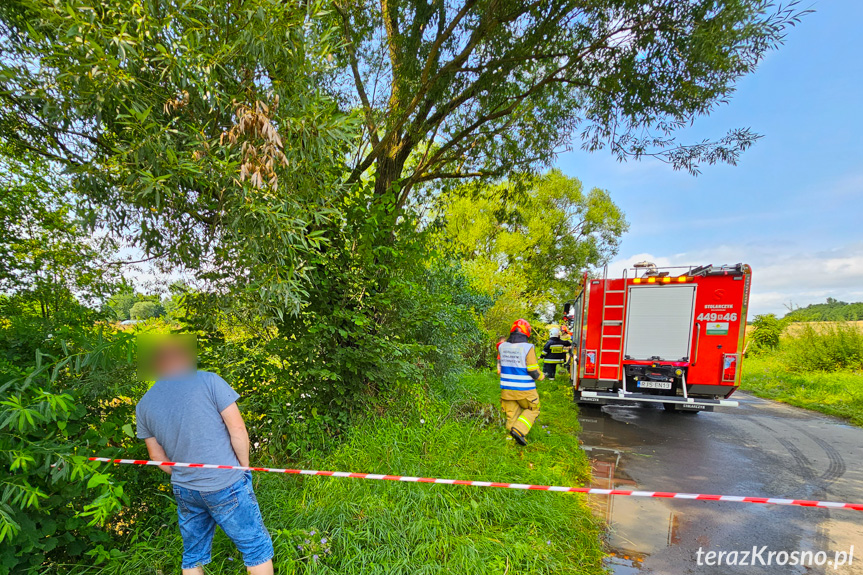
[{"x": 665, "y": 280}]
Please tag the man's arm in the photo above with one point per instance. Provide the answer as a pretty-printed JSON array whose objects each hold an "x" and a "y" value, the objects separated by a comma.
[
  {"x": 533, "y": 366},
  {"x": 157, "y": 453},
  {"x": 237, "y": 429}
]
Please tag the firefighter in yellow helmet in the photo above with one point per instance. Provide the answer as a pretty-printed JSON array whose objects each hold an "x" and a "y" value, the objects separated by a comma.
[{"x": 519, "y": 373}]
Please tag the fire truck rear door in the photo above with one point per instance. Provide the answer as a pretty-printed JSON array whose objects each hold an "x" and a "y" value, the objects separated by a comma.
[{"x": 659, "y": 322}]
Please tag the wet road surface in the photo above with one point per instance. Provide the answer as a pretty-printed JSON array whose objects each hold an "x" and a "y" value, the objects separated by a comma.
[{"x": 761, "y": 448}]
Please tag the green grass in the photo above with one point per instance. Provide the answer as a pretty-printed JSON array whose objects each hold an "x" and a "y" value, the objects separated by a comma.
[
  {"x": 377, "y": 527},
  {"x": 838, "y": 393}
]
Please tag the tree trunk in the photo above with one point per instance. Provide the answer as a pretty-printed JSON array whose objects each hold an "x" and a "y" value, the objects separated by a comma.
[{"x": 390, "y": 166}]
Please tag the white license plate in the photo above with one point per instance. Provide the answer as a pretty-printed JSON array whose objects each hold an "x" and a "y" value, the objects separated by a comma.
[{"x": 655, "y": 384}]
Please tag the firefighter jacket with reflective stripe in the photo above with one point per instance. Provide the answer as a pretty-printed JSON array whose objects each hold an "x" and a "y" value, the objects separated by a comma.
[
  {"x": 513, "y": 366},
  {"x": 555, "y": 350}
]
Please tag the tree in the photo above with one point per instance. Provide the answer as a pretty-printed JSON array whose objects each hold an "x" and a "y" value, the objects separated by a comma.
[
  {"x": 484, "y": 88},
  {"x": 190, "y": 130},
  {"x": 530, "y": 250},
  {"x": 146, "y": 309},
  {"x": 47, "y": 255},
  {"x": 121, "y": 304}
]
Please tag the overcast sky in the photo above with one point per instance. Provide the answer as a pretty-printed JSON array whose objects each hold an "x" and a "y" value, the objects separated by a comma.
[{"x": 793, "y": 207}]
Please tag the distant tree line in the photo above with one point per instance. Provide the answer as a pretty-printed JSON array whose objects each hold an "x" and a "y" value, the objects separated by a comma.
[{"x": 831, "y": 310}]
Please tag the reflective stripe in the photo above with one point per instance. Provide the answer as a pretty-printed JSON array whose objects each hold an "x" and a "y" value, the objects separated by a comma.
[
  {"x": 512, "y": 381},
  {"x": 555, "y": 360},
  {"x": 533, "y": 366},
  {"x": 515, "y": 387},
  {"x": 510, "y": 370},
  {"x": 526, "y": 422}
]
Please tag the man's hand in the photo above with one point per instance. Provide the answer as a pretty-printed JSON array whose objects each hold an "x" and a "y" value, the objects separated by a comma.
[
  {"x": 157, "y": 453},
  {"x": 541, "y": 376},
  {"x": 237, "y": 429}
]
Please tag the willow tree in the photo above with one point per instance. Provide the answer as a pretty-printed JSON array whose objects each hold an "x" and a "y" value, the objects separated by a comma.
[
  {"x": 452, "y": 90},
  {"x": 191, "y": 129}
]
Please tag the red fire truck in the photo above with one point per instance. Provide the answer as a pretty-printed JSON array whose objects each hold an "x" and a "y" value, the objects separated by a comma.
[{"x": 665, "y": 335}]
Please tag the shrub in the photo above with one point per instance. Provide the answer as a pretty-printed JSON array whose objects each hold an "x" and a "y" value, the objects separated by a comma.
[
  {"x": 54, "y": 501},
  {"x": 767, "y": 333},
  {"x": 828, "y": 348},
  {"x": 146, "y": 310}
]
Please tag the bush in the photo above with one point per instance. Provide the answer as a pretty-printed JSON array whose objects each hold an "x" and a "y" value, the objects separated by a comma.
[
  {"x": 146, "y": 310},
  {"x": 828, "y": 348},
  {"x": 767, "y": 333},
  {"x": 53, "y": 415}
]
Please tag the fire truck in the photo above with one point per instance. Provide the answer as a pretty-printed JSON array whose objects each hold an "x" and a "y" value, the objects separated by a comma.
[{"x": 670, "y": 335}]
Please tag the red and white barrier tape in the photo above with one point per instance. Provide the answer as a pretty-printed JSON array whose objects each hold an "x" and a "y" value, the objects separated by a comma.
[{"x": 589, "y": 490}]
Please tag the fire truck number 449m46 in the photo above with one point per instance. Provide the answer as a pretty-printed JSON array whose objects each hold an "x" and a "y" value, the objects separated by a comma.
[{"x": 664, "y": 335}]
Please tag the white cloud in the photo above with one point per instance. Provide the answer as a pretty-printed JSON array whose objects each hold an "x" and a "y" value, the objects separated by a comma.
[{"x": 782, "y": 274}]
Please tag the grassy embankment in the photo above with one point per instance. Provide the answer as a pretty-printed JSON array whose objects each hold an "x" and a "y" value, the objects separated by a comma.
[
  {"x": 815, "y": 367},
  {"x": 345, "y": 526}
]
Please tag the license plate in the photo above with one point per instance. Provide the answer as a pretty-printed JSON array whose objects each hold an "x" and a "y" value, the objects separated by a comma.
[{"x": 655, "y": 384}]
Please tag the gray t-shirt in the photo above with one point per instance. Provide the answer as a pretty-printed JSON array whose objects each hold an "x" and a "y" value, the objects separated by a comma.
[{"x": 183, "y": 413}]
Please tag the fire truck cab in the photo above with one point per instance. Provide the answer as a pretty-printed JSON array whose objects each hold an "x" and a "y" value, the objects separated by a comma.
[{"x": 665, "y": 335}]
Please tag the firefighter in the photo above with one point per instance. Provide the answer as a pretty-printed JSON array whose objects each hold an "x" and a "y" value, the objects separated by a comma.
[
  {"x": 554, "y": 353},
  {"x": 519, "y": 373}
]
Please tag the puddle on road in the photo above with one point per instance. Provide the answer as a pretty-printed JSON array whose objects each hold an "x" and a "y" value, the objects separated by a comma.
[
  {"x": 637, "y": 527},
  {"x": 628, "y": 542},
  {"x": 641, "y": 527}
]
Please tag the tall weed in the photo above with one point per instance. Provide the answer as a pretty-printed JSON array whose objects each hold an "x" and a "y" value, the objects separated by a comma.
[
  {"x": 829, "y": 348},
  {"x": 353, "y": 527}
]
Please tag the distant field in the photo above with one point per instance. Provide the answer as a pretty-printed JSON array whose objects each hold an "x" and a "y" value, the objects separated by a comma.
[{"x": 795, "y": 327}]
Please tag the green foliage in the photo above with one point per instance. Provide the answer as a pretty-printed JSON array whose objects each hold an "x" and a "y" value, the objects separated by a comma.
[
  {"x": 837, "y": 393},
  {"x": 121, "y": 304},
  {"x": 767, "y": 332},
  {"x": 382, "y": 315},
  {"x": 826, "y": 348},
  {"x": 195, "y": 134},
  {"x": 529, "y": 250},
  {"x": 818, "y": 367},
  {"x": 482, "y": 89},
  {"x": 54, "y": 502},
  {"x": 48, "y": 259},
  {"x": 377, "y": 527},
  {"x": 146, "y": 310},
  {"x": 832, "y": 310}
]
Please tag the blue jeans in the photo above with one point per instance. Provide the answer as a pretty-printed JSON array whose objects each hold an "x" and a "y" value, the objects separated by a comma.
[{"x": 234, "y": 509}]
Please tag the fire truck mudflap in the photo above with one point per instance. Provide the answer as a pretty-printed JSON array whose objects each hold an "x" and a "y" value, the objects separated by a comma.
[{"x": 665, "y": 335}]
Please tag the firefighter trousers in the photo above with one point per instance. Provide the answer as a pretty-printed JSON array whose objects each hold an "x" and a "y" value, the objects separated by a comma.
[{"x": 521, "y": 408}]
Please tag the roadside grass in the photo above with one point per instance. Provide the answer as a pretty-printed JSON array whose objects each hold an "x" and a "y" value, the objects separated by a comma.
[
  {"x": 350, "y": 526},
  {"x": 838, "y": 393}
]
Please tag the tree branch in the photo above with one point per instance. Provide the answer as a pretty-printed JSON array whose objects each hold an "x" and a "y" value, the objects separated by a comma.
[{"x": 361, "y": 91}]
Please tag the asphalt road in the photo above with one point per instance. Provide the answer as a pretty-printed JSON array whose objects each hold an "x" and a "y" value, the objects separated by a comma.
[{"x": 761, "y": 448}]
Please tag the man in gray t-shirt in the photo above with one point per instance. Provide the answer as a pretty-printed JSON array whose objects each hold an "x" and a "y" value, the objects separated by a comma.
[
  {"x": 183, "y": 413},
  {"x": 192, "y": 416}
]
